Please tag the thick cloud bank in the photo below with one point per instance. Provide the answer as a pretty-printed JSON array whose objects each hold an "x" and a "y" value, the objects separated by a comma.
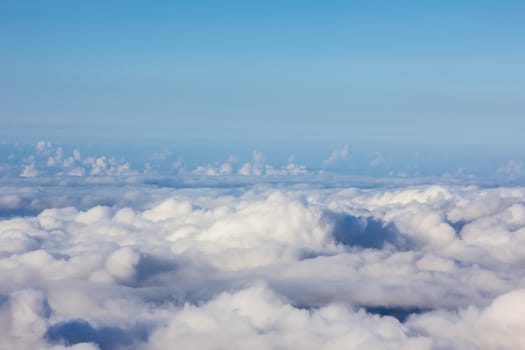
[{"x": 90, "y": 265}]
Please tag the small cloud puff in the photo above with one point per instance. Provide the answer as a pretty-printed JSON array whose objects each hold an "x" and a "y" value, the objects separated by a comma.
[
  {"x": 29, "y": 170},
  {"x": 336, "y": 156}
]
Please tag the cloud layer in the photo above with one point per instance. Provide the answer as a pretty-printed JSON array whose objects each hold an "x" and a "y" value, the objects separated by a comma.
[{"x": 89, "y": 265}]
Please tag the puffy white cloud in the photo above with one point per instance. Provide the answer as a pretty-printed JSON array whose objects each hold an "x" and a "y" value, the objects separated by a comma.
[
  {"x": 118, "y": 265},
  {"x": 257, "y": 318},
  {"x": 43, "y": 146},
  {"x": 256, "y": 167},
  {"x": 246, "y": 169},
  {"x": 49, "y": 159},
  {"x": 104, "y": 166},
  {"x": 225, "y": 168},
  {"x": 122, "y": 263},
  {"x": 501, "y": 325}
]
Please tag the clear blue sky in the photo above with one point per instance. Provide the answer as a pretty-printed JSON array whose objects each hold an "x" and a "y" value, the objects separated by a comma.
[{"x": 436, "y": 72}]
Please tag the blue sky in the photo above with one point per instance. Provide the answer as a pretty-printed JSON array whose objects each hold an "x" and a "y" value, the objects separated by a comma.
[{"x": 317, "y": 74}]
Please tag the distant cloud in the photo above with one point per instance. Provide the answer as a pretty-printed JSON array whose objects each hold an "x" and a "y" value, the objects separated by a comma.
[
  {"x": 258, "y": 167},
  {"x": 226, "y": 168},
  {"x": 377, "y": 160},
  {"x": 162, "y": 155},
  {"x": 512, "y": 167},
  {"x": 76, "y": 154},
  {"x": 53, "y": 160},
  {"x": 43, "y": 146},
  {"x": 29, "y": 169},
  {"x": 336, "y": 156}
]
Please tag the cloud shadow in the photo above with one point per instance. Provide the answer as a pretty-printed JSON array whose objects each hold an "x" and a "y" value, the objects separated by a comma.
[
  {"x": 366, "y": 232},
  {"x": 78, "y": 331}
]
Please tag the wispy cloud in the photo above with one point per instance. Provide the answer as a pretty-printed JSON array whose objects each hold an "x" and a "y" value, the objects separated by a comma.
[{"x": 336, "y": 156}]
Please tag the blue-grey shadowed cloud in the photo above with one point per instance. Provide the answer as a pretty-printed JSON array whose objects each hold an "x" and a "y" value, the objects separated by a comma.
[
  {"x": 366, "y": 232},
  {"x": 401, "y": 314},
  {"x": 150, "y": 266},
  {"x": 107, "y": 338}
]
